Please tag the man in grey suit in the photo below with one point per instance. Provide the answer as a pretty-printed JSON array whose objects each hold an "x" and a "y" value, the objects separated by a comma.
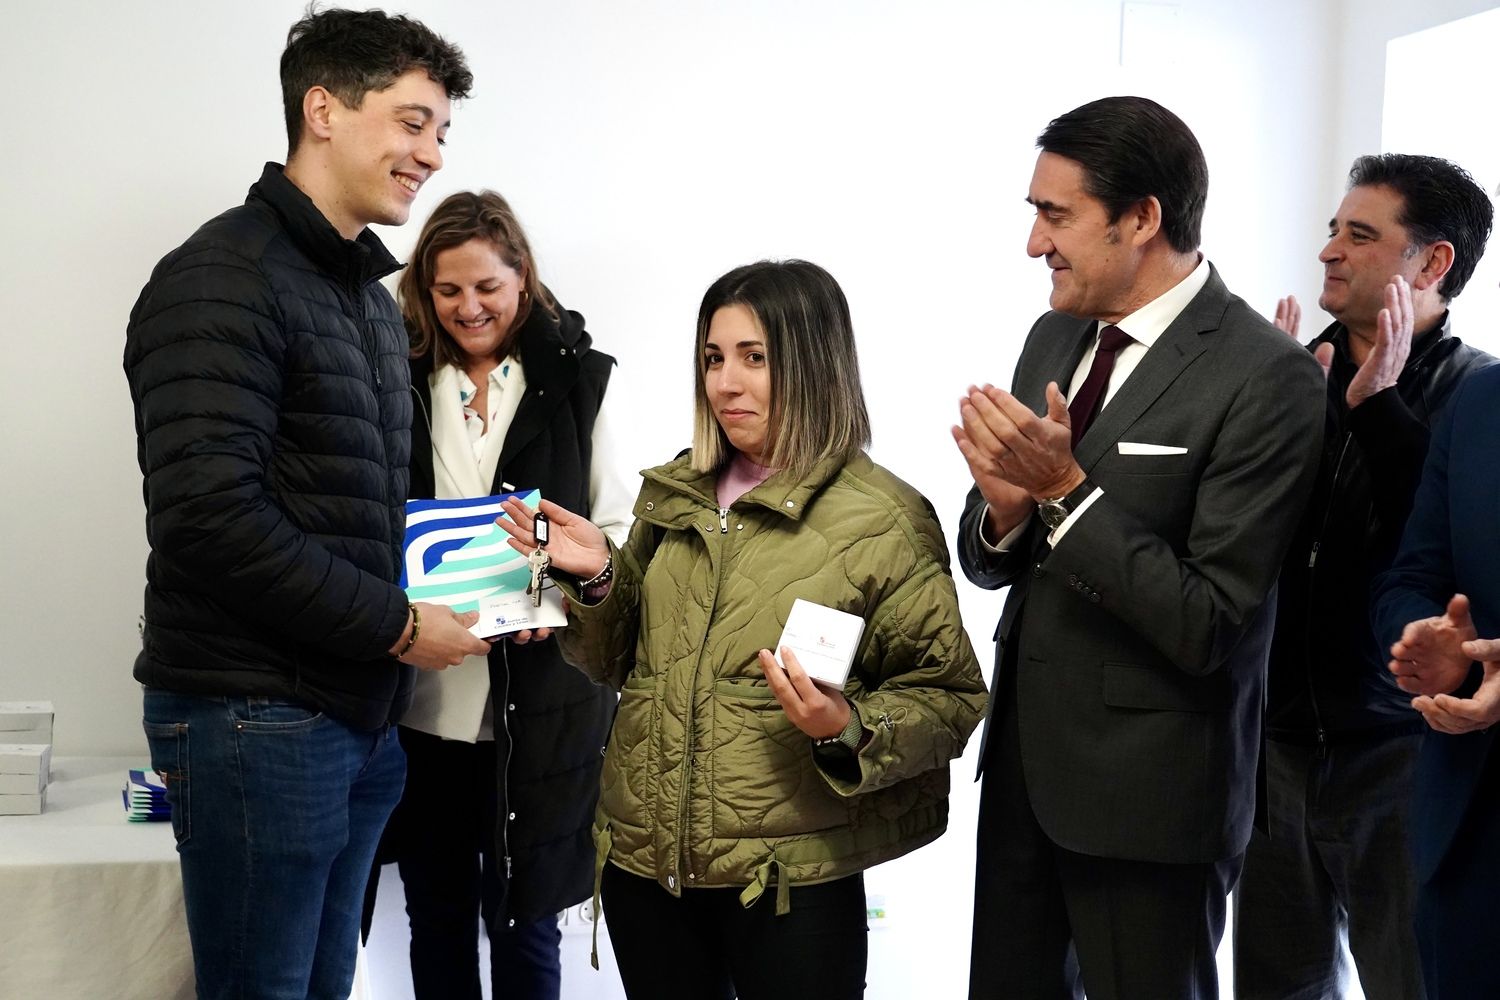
[{"x": 1140, "y": 529}]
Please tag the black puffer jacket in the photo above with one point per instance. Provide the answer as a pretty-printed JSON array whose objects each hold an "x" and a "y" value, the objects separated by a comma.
[
  {"x": 1328, "y": 677},
  {"x": 550, "y": 721},
  {"x": 268, "y": 371}
]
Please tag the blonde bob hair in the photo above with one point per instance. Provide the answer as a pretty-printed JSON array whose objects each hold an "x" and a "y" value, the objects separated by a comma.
[
  {"x": 459, "y": 218},
  {"x": 817, "y": 406}
]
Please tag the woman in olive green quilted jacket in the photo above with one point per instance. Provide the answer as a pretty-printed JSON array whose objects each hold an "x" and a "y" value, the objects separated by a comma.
[{"x": 740, "y": 801}]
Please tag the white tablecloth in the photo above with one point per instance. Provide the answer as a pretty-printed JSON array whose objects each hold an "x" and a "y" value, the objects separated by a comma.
[{"x": 90, "y": 904}]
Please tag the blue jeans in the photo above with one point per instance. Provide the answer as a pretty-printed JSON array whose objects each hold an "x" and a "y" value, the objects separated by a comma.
[{"x": 277, "y": 810}]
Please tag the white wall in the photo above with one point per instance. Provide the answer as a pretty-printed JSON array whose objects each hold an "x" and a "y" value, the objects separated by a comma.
[
  {"x": 649, "y": 146},
  {"x": 1451, "y": 123},
  {"x": 1358, "y": 53}
]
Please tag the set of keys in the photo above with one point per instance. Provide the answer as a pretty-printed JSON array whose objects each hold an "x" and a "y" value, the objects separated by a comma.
[{"x": 538, "y": 561}]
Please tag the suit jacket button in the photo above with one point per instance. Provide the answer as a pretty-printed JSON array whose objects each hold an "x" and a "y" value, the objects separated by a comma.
[
  {"x": 1094, "y": 597},
  {"x": 1036, "y": 571},
  {"x": 1072, "y": 579}
]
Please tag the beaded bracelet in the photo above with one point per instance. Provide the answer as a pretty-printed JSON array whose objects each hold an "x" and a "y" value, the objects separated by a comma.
[
  {"x": 601, "y": 578},
  {"x": 416, "y": 630}
]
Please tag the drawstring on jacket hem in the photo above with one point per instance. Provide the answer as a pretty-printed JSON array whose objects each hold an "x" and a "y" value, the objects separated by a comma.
[
  {"x": 762, "y": 879},
  {"x": 603, "y": 845}
]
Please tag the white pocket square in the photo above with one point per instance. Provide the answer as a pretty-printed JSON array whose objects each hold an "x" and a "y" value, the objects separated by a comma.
[{"x": 1140, "y": 448}]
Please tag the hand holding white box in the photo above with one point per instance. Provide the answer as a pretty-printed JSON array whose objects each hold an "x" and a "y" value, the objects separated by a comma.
[{"x": 824, "y": 640}]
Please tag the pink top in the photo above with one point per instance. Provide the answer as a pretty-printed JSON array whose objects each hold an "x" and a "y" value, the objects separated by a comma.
[{"x": 739, "y": 477}]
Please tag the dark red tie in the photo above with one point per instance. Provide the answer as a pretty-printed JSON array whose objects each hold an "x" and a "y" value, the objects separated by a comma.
[{"x": 1085, "y": 405}]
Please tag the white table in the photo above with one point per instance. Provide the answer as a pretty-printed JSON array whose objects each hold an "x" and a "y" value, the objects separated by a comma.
[{"x": 90, "y": 904}]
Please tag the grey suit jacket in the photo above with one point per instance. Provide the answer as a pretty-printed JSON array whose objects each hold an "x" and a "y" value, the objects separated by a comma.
[{"x": 1140, "y": 641}]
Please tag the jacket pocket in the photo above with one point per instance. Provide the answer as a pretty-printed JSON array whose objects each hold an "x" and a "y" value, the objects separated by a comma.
[
  {"x": 1129, "y": 685},
  {"x": 763, "y": 780},
  {"x": 169, "y": 758},
  {"x": 628, "y": 756},
  {"x": 273, "y": 715}
]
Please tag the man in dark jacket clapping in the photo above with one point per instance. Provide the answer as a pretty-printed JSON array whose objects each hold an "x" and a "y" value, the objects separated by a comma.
[
  {"x": 1341, "y": 736},
  {"x": 268, "y": 372}
]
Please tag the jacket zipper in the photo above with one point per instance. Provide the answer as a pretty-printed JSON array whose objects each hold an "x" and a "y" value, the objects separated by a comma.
[
  {"x": 691, "y": 728},
  {"x": 504, "y": 705},
  {"x": 1413, "y": 365},
  {"x": 357, "y": 301},
  {"x": 1312, "y": 562}
]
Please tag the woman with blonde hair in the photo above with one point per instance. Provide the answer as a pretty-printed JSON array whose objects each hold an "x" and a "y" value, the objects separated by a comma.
[{"x": 741, "y": 801}]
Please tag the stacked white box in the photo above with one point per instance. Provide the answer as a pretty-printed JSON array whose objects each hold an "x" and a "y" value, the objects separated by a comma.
[
  {"x": 25, "y": 756},
  {"x": 26, "y": 721}
]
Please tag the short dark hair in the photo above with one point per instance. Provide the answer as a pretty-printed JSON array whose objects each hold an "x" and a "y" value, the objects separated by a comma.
[
  {"x": 1440, "y": 202},
  {"x": 459, "y": 218},
  {"x": 1131, "y": 148},
  {"x": 817, "y": 404},
  {"x": 352, "y": 52}
]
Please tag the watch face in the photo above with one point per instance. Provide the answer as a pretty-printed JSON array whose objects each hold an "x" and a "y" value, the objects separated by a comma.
[{"x": 1053, "y": 515}]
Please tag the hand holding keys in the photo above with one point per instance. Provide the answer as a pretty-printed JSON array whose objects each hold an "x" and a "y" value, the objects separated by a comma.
[{"x": 538, "y": 560}]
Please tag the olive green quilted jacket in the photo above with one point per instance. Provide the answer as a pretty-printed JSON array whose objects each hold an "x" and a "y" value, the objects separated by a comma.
[{"x": 706, "y": 781}]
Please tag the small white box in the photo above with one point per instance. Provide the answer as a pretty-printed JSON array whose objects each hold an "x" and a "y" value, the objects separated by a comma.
[
  {"x": 37, "y": 734},
  {"x": 824, "y": 639},
  {"x": 23, "y": 805},
  {"x": 26, "y": 721},
  {"x": 19, "y": 715},
  {"x": 25, "y": 758},
  {"x": 22, "y": 784}
]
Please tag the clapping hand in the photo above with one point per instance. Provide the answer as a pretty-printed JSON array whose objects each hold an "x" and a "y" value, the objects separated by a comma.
[
  {"x": 1393, "y": 332},
  {"x": 1288, "y": 318},
  {"x": 1430, "y": 658},
  {"x": 1478, "y": 712},
  {"x": 981, "y": 448},
  {"x": 1014, "y": 455}
]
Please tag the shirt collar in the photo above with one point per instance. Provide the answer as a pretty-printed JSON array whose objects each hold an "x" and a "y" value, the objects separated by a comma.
[
  {"x": 499, "y": 376},
  {"x": 1151, "y": 320}
]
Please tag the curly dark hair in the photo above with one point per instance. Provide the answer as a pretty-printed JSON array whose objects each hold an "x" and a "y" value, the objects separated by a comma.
[{"x": 352, "y": 52}]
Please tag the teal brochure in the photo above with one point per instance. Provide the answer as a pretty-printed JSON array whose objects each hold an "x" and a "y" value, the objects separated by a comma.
[{"x": 454, "y": 554}]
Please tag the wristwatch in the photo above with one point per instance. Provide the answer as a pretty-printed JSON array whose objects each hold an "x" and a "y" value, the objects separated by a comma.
[
  {"x": 1055, "y": 510},
  {"x": 849, "y": 739}
]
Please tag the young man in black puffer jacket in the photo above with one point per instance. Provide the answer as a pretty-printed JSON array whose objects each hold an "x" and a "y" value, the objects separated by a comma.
[
  {"x": 1341, "y": 737},
  {"x": 268, "y": 371}
]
